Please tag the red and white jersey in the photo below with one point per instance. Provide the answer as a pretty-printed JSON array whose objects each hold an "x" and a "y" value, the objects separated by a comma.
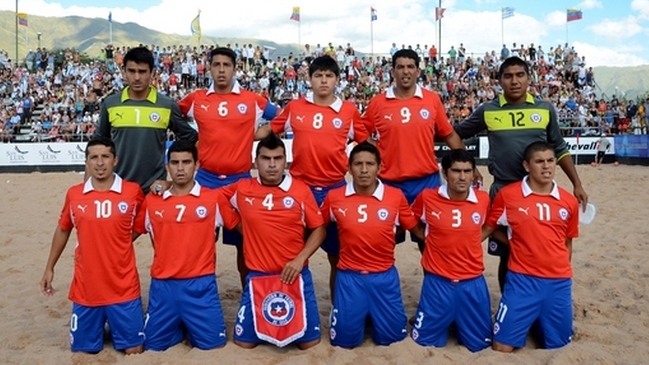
[
  {"x": 227, "y": 124},
  {"x": 104, "y": 259},
  {"x": 367, "y": 225},
  {"x": 183, "y": 231},
  {"x": 320, "y": 136},
  {"x": 453, "y": 232},
  {"x": 405, "y": 132},
  {"x": 274, "y": 220},
  {"x": 538, "y": 226}
]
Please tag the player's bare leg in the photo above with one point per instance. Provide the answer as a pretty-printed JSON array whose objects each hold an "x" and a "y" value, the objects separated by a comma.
[
  {"x": 245, "y": 345},
  {"x": 497, "y": 346},
  {"x": 134, "y": 350},
  {"x": 308, "y": 345},
  {"x": 333, "y": 262}
]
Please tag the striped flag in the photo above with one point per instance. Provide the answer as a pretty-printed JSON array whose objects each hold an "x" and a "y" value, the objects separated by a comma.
[
  {"x": 573, "y": 14},
  {"x": 439, "y": 13},
  {"x": 507, "y": 12},
  {"x": 373, "y": 14},
  {"x": 196, "y": 26},
  {"x": 22, "y": 19},
  {"x": 295, "y": 15}
]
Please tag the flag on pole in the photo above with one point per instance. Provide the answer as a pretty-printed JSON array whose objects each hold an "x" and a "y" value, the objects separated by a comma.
[
  {"x": 573, "y": 14},
  {"x": 373, "y": 13},
  {"x": 296, "y": 14},
  {"x": 439, "y": 13},
  {"x": 196, "y": 26},
  {"x": 110, "y": 17},
  {"x": 22, "y": 19},
  {"x": 507, "y": 12}
]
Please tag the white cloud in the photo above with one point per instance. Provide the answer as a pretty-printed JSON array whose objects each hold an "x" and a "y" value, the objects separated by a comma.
[
  {"x": 603, "y": 56},
  {"x": 556, "y": 19},
  {"x": 617, "y": 29},
  {"x": 589, "y": 4},
  {"x": 641, "y": 7}
]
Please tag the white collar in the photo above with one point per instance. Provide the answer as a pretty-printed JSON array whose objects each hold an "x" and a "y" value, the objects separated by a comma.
[
  {"x": 236, "y": 88},
  {"x": 443, "y": 191},
  {"x": 527, "y": 190},
  {"x": 389, "y": 93},
  {"x": 196, "y": 191},
  {"x": 285, "y": 184},
  {"x": 378, "y": 193},
  {"x": 336, "y": 105},
  {"x": 116, "y": 187}
]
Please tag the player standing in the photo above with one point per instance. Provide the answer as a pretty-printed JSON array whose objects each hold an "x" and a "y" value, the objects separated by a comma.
[
  {"x": 367, "y": 282},
  {"x": 276, "y": 210},
  {"x": 541, "y": 219},
  {"x": 322, "y": 126},
  {"x": 182, "y": 223},
  {"x": 106, "y": 285},
  {"x": 137, "y": 120},
  {"x": 454, "y": 289}
]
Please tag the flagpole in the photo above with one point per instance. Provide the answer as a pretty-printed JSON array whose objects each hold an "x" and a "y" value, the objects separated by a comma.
[
  {"x": 27, "y": 37},
  {"x": 16, "y": 59},
  {"x": 502, "y": 26},
  {"x": 299, "y": 31},
  {"x": 371, "y": 35},
  {"x": 110, "y": 31},
  {"x": 439, "y": 50}
]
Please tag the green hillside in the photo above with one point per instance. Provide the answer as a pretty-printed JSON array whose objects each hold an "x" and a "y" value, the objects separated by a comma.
[{"x": 633, "y": 81}]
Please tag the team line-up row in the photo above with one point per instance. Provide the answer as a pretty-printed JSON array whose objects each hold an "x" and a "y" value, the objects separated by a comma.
[{"x": 392, "y": 171}]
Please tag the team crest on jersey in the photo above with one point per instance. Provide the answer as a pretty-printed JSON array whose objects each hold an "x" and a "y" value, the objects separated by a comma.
[
  {"x": 238, "y": 329},
  {"x": 201, "y": 212},
  {"x": 424, "y": 113},
  {"x": 563, "y": 214},
  {"x": 154, "y": 117},
  {"x": 332, "y": 333},
  {"x": 122, "y": 207},
  {"x": 415, "y": 334},
  {"x": 242, "y": 108},
  {"x": 496, "y": 328},
  {"x": 383, "y": 214},
  {"x": 338, "y": 123},
  {"x": 71, "y": 339},
  {"x": 476, "y": 217},
  {"x": 288, "y": 202},
  {"x": 536, "y": 118},
  {"x": 278, "y": 308}
]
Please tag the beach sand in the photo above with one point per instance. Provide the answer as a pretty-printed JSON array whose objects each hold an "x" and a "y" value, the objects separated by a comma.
[{"x": 611, "y": 295}]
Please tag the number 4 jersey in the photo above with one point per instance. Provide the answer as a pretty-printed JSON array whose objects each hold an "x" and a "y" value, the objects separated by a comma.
[
  {"x": 538, "y": 226},
  {"x": 104, "y": 259}
]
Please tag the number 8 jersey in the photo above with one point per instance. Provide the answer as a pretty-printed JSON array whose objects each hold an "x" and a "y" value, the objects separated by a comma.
[{"x": 104, "y": 259}]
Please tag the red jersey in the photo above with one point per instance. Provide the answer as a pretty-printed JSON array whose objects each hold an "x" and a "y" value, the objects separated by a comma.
[
  {"x": 226, "y": 125},
  {"x": 274, "y": 220},
  {"x": 183, "y": 231},
  {"x": 320, "y": 136},
  {"x": 538, "y": 226},
  {"x": 104, "y": 259},
  {"x": 405, "y": 130},
  {"x": 453, "y": 232},
  {"x": 367, "y": 224}
]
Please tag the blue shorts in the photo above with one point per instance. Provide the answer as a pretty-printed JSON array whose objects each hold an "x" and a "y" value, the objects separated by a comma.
[
  {"x": 411, "y": 188},
  {"x": 215, "y": 181},
  {"x": 87, "y": 326},
  {"x": 444, "y": 301},
  {"x": 359, "y": 295},
  {"x": 191, "y": 304},
  {"x": 331, "y": 243},
  {"x": 527, "y": 299},
  {"x": 244, "y": 329}
]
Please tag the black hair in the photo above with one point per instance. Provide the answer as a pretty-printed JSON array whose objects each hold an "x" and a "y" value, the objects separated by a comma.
[
  {"x": 324, "y": 63},
  {"x": 365, "y": 147},
  {"x": 183, "y": 146},
  {"x": 457, "y": 155},
  {"x": 271, "y": 141},
  {"x": 224, "y": 52},
  {"x": 513, "y": 61},
  {"x": 101, "y": 141},
  {"x": 139, "y": 55},
  {"x": 405, "y": 53},
  {"x": 534, "y": 147}
]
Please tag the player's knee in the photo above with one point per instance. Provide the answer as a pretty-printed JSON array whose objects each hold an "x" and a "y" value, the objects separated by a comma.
[
  {"x": 245, "y": 345},
  {"x": 497, "y": 346},
  {"x": 308, "y": 345},
  {"x": 134, "y": 350}
]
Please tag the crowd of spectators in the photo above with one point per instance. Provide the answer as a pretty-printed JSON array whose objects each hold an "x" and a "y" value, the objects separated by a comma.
[{"x": 66, "y": 92}]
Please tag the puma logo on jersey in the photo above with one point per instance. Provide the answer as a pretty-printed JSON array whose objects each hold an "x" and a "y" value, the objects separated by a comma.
[
  {"x": 388, "y": 117},
  {"x": 119, "y": 115},
  {"x": 343, "y": 211},
  {"x": 437, "y": 214},
  {"x": 498, "y": 119},
  {"x": 249, "y": 200},
  {"x": 205, "y": 107},
  {"x": 524, "y": 210},
  {"x": 82, "y": 207},
  {"x": 159, "y": 213},
  {"x": 300, "y": 118}
]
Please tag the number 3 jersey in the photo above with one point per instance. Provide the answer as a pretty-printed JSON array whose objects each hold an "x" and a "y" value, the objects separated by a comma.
[
  {"x": 367, "y": 224},
  {"x": 274, "y": 220},
  {"x": 538, "y": 226},
  {"x": 183, "y": 231},
  {"x": 453, "y": 232},
  {"x": 104, "y": 259}
]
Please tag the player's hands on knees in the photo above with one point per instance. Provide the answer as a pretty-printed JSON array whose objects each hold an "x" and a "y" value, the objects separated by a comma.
[
  {"x": 291, "y": 271},
  {"x": 46, "y": 283},
  {"x": 159, "y": 186},
  {"x": 581, "y": 195}
]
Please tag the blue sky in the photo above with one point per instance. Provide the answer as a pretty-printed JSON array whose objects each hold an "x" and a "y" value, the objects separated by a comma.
[{"x": 610, "y": 33}]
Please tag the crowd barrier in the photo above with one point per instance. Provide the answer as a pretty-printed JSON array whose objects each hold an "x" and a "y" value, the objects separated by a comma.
[{"x": 47, "y": 157}]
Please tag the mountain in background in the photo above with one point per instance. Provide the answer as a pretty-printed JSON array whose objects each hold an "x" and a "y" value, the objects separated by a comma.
[{"x": 91, "y": 35}]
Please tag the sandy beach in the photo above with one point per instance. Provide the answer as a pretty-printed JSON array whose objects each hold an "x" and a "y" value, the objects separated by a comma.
[{"x": 611, "y": 295}]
